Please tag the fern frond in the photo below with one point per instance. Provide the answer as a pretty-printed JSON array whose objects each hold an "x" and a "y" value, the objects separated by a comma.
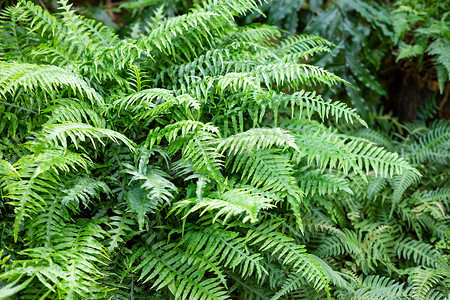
[
  {"x": 172, "y": 131},
  {"x": 319, "y": 222},
  {"x": 292, "y": 283},
  {"x": 32, "y": 77},
  {"x": 137, "y": 78},
  {"x": 249, "y": 289},
  {"x": 201, "y": 150},
  {"x": 213, "y": 63},
  {"x": 235, "y": 202},
  {"x": 376, "y": 185},
  {"x": 15, "y": 43},
  {"x": 74, "y": 111},
  {"x": 120, "y": 229},
  {"x": 380, "y": 288},
  {"x": 225, "y": 248},
  {"x": 310, "y": 102},
  {"x": 326, "y": 149},
  {"x": 304, "y": 55},
  {"x": 237, "y": 82},
  {"x": 439, "y": 194},
  {"x": 428, "y": 145},
  {"x": 231, "y": 8},
  {"x": 255, "y": 33},
  {"x": 384, "y": 163},
  {"x": 62, "y": 54},
  {"x": 408, "y": 51},
  {"x": 312, "y": 182},
  {"x": 435, "y": 294},
  {"x": 337, "y": 278},
  {"x": 442, "y": 75},
  {"x": 170, "y": 268},
  {"x": 331, "y": 246},
  {"x": 7, "y": 170},
  {"x": 144, "y": 99},
  {"x": 377, "y": 137},
  {"x": 423, "y": 279},
  {"x": 198, "y": 25},
  {"x": 438, "y": 48},
  {"x": 289, "y": 253},
  {"x": 155, "y": 181},
  {"x": 278, "y": 74},
  {"x": 421, "y": 253},
  {"x": 74, "y": 25},
  {"x": 303, "y": 43},
  {"x": 70, "y": 268},
  {"x": 368, "y": 249},
  {"x": 293, "y": 74},
  {"x": 256, "y": 139},
  {"x": 85, "y": 32},
  {"x": 37, "y": 174},
  {"x": 401, "y": 182},
  {"x": 13, "y": 288},
  {"x": 435, "y": 209},
  {"x": 82, "y": 189},
  {"x": 42, "y": 21},
  {"x": 49, "y": 221},
  {"x": 268, "y": 171},
  {"x": 154, "y": 189},
  {"x": 185, "y": 100},
  {"x": 55, "y": 134}
]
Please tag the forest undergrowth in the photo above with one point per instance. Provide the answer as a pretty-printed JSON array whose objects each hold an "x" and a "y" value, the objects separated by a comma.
[{"x": 189, "y": 157}]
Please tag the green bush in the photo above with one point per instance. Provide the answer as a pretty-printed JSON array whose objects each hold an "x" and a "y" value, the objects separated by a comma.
[{"x": 192, "y": 159}]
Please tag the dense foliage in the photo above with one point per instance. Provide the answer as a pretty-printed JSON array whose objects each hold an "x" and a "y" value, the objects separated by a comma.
[
  {"x": 393, "y": 50},
  {"x": 194, "y": 158}
]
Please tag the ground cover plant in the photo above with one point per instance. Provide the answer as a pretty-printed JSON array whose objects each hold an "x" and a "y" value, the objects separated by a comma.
[{"x": 193, "y": 158}]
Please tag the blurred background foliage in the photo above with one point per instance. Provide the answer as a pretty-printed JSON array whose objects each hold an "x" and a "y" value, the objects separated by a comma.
[{"x": 395, "y": 53}]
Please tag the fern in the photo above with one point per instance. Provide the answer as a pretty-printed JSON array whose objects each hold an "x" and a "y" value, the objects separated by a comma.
[
  {"x": 235, "y": 202},
  {"x": 407, "y": 51},
  {"x": 154, "y": 189},
  {"x": 170, "y": 132},
  {"x": 376, "y": 184},
  {"x": 120, "y": 229},
  {"x": 428, "y": 145},
  {"x": 82, "y": 190},
  {"x": 13, "y": 288},
  {"x": 188, "y": 157},
  {"x": 35, "y": 174},
  {"x": 175, "y": 270},
  {"x": 302, "y": 43},
  {"x": 225, "y": 248},
  {"x": 289, "y": 253},
  {"x": 313, "y": 182},
  {"x": 79, "y": 246},
  {"x": 419, "y": 252},
  {"x": 30, "y": 77},
  {"x": 377, "y": 287},
  {"x": 402, "y": 182},
  {"x": 292, "y": 283},
  {"x": 257, "y": 139},
  {"x": 201, "y": 150},
  {"x": 422, "y": 281},
  {"x": 53, "y": 134},
  {"x": 263, "y": 170},
  {"x": 73, "y": 111}
]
